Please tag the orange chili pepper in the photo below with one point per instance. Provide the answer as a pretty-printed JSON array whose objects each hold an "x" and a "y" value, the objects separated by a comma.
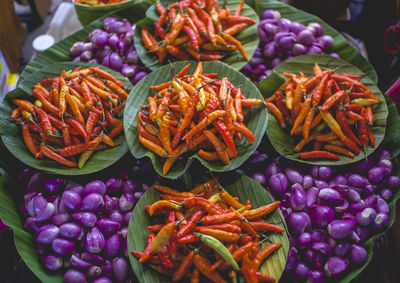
[
  {"x": 264, "y": 253},
  {"x": 218, "y": 145}
]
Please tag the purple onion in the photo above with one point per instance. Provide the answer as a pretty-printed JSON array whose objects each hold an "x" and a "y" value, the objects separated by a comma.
[
  {"x": 321, "y": 247},
  {"x": 325, "y": 41},
  {"x": 74, "y": 276},
  {"x": 298, "y": 49},
  {"x": 320, "y": 184},
  {"x": 292, "y": 259},
  {"x": 87, "y": 219},
  {"x": 31, "y": 224},
  {"x": 297, "y": 197},
  {"x": 129, "y": 71},
  {"x": 315, "y": 276},
  {"x": 94, "y": 187},
  {"x": 353, "y": 196},
  {"x": 278, "y": 183},
  {"x": 294, "y": 175},
  {"x": 93, "y": 202},
  {"x": 296, "y": 27},
  {"x": 126, "y": 202},
  {"x": 109, "y": 204},
  {"x": 113, "y": 184},
  {"x": 52, "y": 186},
  {"x": 107, "y": 268},
  {"x": 99, "y": 40},
  {"x": 270, "y": 50},
  {"x": 86, "y": 56},
  {"x": 393, "y": 182},
  {"x": 130, "y": 186},
  {"x": 385, "y": 154},
  {"x": 331, "y": 197},
  {"x": 386, "y": 194},
  {"x": 108, "y": 226},
  {"x": 339, "y": 229},
  {"x": 304, "y": 239},
  {"x": 45, "y": 213},
  {"x": 138, "y": 77},
  {"x": 316, "y": 28},
  {"x": 77, "y": 48},
  {"x": 94, "y": 271},
  {"x": 113, "y": 245},
  {"x": 358, "y": 254},
  {"x": 46, "y": 234},
  {"x": 94, "y": 241},
  {"x": 70, "y": 230},
  {"x": 306, "y": 37},
  {"x": 343, "y": 207},
  {"x": 312, "y": 196},
  {"x": 385, "y": 163},
  {"x": 60, "y": 219},
  {"x": 116, "y": 216},
  {"x": 63, "y": 246},
  {"x": 309, "y": 256},
  {"x": 260, "y": 178},
  {"x": 301, "y": 271},
  {"x": 286, "y": 43},
  {"x": 52, "y": 262},
  {"x": 319, "y": 260},
  {"x": 297, "y": 223},
  {"x": 79, "y": 263},
  {"x": 319, "y": 235},
  {"x": 341, "y": 249},
  {"x": 102, "y": 279},
  {"x": 377, "y": 174},
  {"x": 93, "y": 258},
  {"x": 120, "y": 268},
  {"x": 272, "y": 169},
  {"x": 72, "y": 200},
  {"x": 308, "y": 181},
  {"x": 356, "y": 207},
  {"x": 115, "y": 61},
  {"x": 382, "y": 206},
  {"x": 321, "y": 215},
  {"x": 335, "y": 266},
  {"x": 38, "y": 203}
]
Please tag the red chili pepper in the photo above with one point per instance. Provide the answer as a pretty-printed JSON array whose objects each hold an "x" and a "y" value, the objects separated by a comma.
[
  {"x": 164, "y": 258},
  {"x": 342, "y": 121},
  {"x": 184, "y": 267},
  {"x": 191, "y": 225},
  {"x": 318, "y": 154},
  {"x": 78, "y": 127},
  {"x": 146, "y": 253},
  {"x": 52, "y": 155}
]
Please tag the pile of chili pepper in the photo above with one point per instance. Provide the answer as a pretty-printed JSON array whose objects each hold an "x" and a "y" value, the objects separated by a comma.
[
  {"x": 188, "y": 30},
  {"x": 74, "y": 115},
  {"x": 208, "y": 234},
  {"x": 195, "y": 113},
  {"x": 332, "y": 114}
]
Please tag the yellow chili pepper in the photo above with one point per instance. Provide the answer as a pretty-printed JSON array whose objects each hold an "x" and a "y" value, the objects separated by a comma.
[
  {"x": 203, "y": 95},
  {"x": 365, "y": 101},
  {"x": 163, "y": 237},
  {"x": 161, "y": 204},
  {"x": 183, "y": 99}
]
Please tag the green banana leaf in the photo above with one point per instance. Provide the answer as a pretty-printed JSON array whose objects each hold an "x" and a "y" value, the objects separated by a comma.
[
  {"x": 340, "y": 45},
  {"x": 248, "y": 37},
  {"x": 12, "y": 137},
  {"x": 86, "y": 13},
  {"x": 280, "y": 137},
  {"x": 59, "y": 52},
  {"x": 237, "y": 185},
  {"x": 24, "y": 241},
  {"x": 256, "y": 120}
]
